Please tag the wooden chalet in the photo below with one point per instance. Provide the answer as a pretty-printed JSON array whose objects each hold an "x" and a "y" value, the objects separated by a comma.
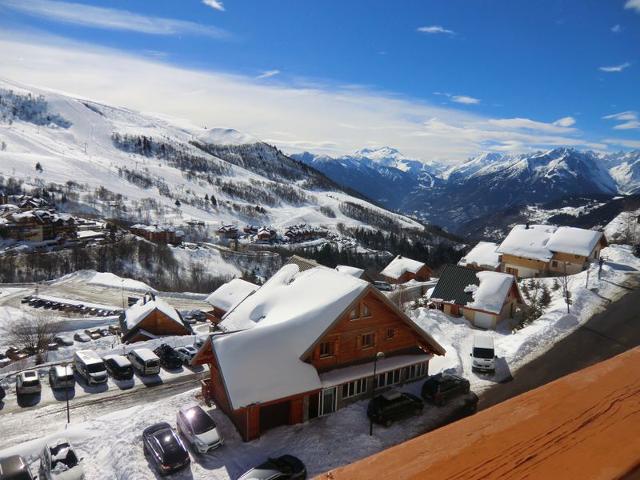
[
  {"x": 303, "y": 345},
  {"x": 543, "y": 250},
  {"x": 151, "y": 317},
  {"x": 484, "y": 256},
  {"x": 483, "y": 297},
  {"x": 402, "y": 269}
]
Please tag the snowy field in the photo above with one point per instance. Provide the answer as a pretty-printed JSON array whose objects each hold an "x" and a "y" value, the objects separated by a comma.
[{"x": 515, "y": 348}]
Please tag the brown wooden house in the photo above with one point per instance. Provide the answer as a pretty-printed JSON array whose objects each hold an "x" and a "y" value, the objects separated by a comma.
[
  {"x": 402, "y": 269},
  {"x": 151, "y": 317},
  {"x": 303, "y": 345}
]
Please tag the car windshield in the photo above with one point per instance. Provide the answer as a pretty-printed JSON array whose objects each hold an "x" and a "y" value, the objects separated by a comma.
[
  {"x": 30, "y": 383},
  {"x": 200, "y": 421},
  {"x": 63, "y": 458},
  {"x": 483, "y": 352},
  {"x": 95, "y": 367},
  {"x": 151, "y": 363}
]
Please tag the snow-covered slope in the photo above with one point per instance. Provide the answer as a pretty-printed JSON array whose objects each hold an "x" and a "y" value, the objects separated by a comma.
[{"x": 117, "y": 162}]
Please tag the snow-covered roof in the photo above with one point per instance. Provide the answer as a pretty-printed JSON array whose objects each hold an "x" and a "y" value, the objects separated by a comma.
[
  {"x": 528, "y": 242},
  {"x": 278, "y": 324},
  {"x": 492, "y": 291},
  {"x": 282, "y": 320},
  {"x": 145, "y": 354},
  {"x": 576, "y": 241},
  {"x": 539, "y": 242},
  {"x": 401, "y": 265},
  {"x": 231, "y": 293},
  {"x": 120, "y": 360},
  {"x": 484, "y": 254},
  {"x": 349, "y": 270},
  {"x": 143, "y": 307}
]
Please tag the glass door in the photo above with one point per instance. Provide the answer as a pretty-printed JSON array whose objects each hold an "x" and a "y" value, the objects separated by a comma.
[{"x": 328, "y": 401}]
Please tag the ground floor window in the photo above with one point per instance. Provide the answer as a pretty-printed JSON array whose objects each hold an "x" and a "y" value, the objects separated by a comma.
[
  {"x": 416, "y": 371},
  {"x": 388, "y": 378},
  {"x": 357, "y": 387}
]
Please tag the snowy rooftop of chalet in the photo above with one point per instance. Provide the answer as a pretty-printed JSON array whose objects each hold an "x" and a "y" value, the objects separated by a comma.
[
  {"x": 492, "y": 291},
  {"x": 484, "y": 254},
  {"x": 576, "y": 241},
  {"x": 143, "y": 307},
  {"x": 401, "y": 265},
  {"x": 231, "y": 293},
  {"x": 348, "y": 270}
]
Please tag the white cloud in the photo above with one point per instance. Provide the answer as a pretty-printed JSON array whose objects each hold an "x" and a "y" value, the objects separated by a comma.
[
  {"x": 615, "y": 68},
  {"x": 616, "y": 28},
  {"x": 435, "y": 29},
  {"x": 269, "y": 74},
  {"x": 633, "y": 4},
  {"x": 629, "y": 119},
  {"x": 110, "y": 18},
  {"x": 464, "y": 99},
  {"x": 215, "y": 4},
  {"x": 621, "y": 142},
  {"x": 295, "y": 116},
  {"x": 565, "y": 122}
]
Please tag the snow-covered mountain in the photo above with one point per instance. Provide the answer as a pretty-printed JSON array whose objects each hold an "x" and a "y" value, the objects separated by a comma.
[
  {"x": 487, "y": 183},
  {"x": 382, "y": 174},
  {"x": 113, "y": 161}
]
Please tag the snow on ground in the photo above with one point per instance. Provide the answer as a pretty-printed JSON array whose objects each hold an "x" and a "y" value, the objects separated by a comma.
[
  {"x": 624, "y": 227},
  {"x": 111, "y": 445},
  {"x": 515, "y": 348},
  {"x": 106, "y": 279}
]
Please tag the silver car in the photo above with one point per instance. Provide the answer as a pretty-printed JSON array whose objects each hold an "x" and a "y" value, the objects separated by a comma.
[
  {"x": 198, "y": 428},
  {"x": 61, "y": 377}
]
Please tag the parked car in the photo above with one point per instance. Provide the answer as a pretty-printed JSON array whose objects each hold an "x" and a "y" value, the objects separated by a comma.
[
  {"x": 28, "y": 383},
  {"x": 198, "y": 428},
  {"x": 186, "y": 353},
  {"x": 90, "y": 366},
  {"x": 144, "y": 361},
  {"x": 441, "y": 388},
  {"x": 164, "y": 448},
  {"x": 483, "y": 354},
  {"x": 14, "y": 468},
  {"x": 393, "y": 405},
  {"x": 59, "y": 461},
  {"x": 286, "y": 467},
  {"x": 82, "y": 337},
  {"x": 383, "y": 286},
  {"x": 63, "y": 340},
  {"x": 169, "y": 359},
  {"x": 119, "y": 367},
  {"x": 61, "y": 377},
  {"x": 26, "y": 299}
]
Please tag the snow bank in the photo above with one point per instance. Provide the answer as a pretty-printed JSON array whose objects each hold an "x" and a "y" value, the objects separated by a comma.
[{"x": 106, "y": 279}]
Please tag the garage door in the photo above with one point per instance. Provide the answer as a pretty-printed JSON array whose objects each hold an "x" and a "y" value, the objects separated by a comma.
[
  {"x": 274, "y": 415},
  {"x": 484, "y": 320}
]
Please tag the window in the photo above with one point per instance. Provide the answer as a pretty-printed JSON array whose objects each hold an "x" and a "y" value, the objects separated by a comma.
[
  {"x": 357, "y": 387},
  {"x": 353, "y": 314},
  {"x": 367, "y": 340},
  {"x": 416, "y": 371},
  {"x": 554, "y": 264},
  {"x": 391, "y": 332},
  {"x": 388, "y": 378},
  {"x": 327, "y": 349},
  {"x": 365, "y": 312}
]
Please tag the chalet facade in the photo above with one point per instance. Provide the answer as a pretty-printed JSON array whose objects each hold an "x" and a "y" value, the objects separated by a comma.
[
  {"x": 151, "y": 317},
  {"x": 403, "y": 269},
  {"x": 543, "y": 250},
  {"x": 227, "y": 296},
  {"x": 303, "y": 345},
  {"x": 485, "y": 298}
]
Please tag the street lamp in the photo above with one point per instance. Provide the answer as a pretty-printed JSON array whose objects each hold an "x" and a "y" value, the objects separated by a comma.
[
  {"x": 66, "y": 391},
  {"x": 379, "y": 356}
]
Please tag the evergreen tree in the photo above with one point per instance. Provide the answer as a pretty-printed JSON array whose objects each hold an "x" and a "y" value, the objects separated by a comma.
[
  {"x": 38, "y": 167},
  {"x": 178, "y": 204}
]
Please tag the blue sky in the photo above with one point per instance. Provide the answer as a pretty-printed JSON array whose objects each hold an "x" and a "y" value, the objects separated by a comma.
[{"x": 436, "y": 79}]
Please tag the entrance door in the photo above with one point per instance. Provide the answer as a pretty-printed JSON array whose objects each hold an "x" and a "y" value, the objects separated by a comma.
[
  {"x": 328, "y": 401},
  {"x": 274, "y": 415}
]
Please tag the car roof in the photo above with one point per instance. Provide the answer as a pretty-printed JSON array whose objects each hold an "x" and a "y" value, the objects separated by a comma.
[
  {"x": 482, "y": 341},
  {"x": 62, "y": 370}
]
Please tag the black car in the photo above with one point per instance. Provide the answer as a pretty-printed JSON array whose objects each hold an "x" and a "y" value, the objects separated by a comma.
[
  {"x": 118, "y": 366},
  {"x": 441, "y": 388},
  {"x": 26, "y": 299},
  {"x": 164, "y": 448},
  {"x": 286, "y": 467},
  {"x": 169, "y": 358},
  {"x": 14, "y": 468},
  {"x": 392, "y": 406}
]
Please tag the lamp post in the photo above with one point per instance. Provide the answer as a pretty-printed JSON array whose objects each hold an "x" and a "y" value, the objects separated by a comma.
[
  {"x": 379, "y": 356},
  {"x": 66, "y": 392}
]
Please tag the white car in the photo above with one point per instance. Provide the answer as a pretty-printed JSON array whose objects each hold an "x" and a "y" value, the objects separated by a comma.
[
  {"x": 28, "y": 383},
  {"x": 58, "y": 461},
  {"x": 198, "y": 428},
  {"x": 187, "y": 353}
]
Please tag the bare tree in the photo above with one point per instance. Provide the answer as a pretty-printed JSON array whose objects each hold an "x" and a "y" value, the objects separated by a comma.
[{"x": 32, "y": 333}]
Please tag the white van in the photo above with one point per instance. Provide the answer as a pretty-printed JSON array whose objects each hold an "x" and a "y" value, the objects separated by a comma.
[
  {"x": 90, "y": 366},
  {"x": 483, "y": 354},
  {"x": 144, "y": 361}
]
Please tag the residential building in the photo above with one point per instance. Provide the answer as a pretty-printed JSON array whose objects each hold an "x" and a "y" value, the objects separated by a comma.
[
  {"x": 484, "y": 256},
  {"x": 158, "y": 234},
  {"x": 483, "y": 297},
  {"x": 303, "y": 346},
  {"x": 402, "y": 269},
  {"x": 151, "y": 317},
  {"x": 541, "y": 250}
]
